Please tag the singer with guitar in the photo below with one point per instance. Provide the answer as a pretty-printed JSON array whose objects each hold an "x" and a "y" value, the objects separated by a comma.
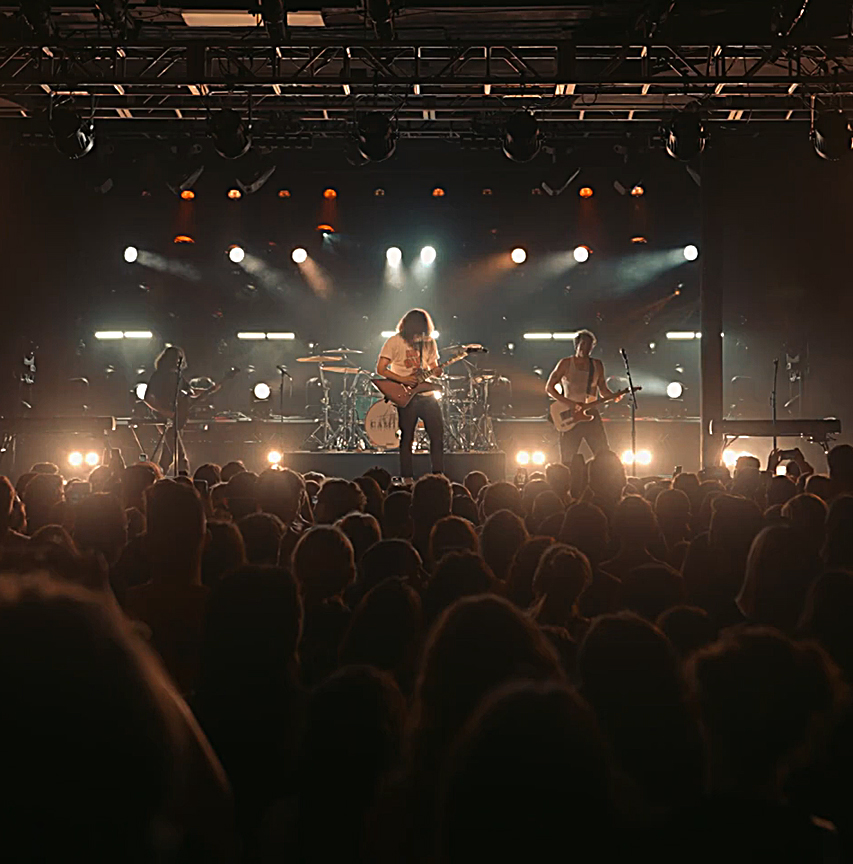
[
  {"x": 403, "y": 358},
  {"x": 580, "y": 378}
]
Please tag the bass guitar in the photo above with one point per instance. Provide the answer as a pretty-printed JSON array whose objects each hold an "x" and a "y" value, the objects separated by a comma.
[
  {"x": 401, "y": 394},
  {"x": 564, "y": 418}
]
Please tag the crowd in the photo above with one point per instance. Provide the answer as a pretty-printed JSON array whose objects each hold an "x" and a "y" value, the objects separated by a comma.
[{"x": 286, "y": 667}]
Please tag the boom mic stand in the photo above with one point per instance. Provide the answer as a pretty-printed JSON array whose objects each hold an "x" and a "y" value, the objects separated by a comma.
[
  {"x": 180, "y": 365},
  {"x": 633, "y": 412},
  {"x": 773, "y": 400}
]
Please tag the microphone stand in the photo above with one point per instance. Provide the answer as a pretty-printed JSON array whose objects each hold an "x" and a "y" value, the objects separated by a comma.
[
  {"x": 633, "y": 412},
  {"x": 773, "y": 399},
  {"x": 175, "y": 416},
  {"x": 283, "y": 371}
]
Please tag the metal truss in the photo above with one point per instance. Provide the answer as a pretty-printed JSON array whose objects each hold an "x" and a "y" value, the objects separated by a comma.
[{"x": 433, "y": 90}]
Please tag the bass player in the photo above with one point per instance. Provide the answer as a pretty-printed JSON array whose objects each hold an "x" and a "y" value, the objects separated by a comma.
[
  {"x": 408, "y": 351},
  {"x": 580, "y": 378}
]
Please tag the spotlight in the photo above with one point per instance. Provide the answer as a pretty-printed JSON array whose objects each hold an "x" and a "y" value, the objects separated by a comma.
[
  {"x": 284, "y": 193},
  {"x": 73, "y": 136},
  {"x": 188, "y": 194},
  {"x": 518, "y": 255},
  {"x": 274, "y": 457},
  {"x": 521, "y": 139},
  {"x": 394, "y": 256},
  {"x": 438, "y": 192},
  {"x": 141, "y": 389},
  {"x": 75, "y": 459},
  {"x": 675, "y": 389},
  {"x": 232, "y": 137},
  {"x": 537, "y": 457},
  {"x": 691, "y": 252},
  {"x": 92, "y": 458},
  {"x": 131, "y": 253},
  {"x": 730, "y": 457},
  {"x": 236, "y": 254},
  {"x": 330, "y": 193},
  {"x": 581, "y": 254},
  {"x": 685, "y": 137},
  {"x": 436, "y": 394},
  {"x": 375, "y": 137},
  {"x": 235, "y": 194},
  {"x": 644, "y": 457},
  {"x": 638, "y": 191},
  {"x": 261, "y": 391},
  {"x": 427, "y": 255},
  {"x": 831, "y": 135},
  {"x": 522, "y": 457},
  {"x": 585, "y": 192},
  {"x": 639, "y": 240},
  {"x": 299, "y": 255}
]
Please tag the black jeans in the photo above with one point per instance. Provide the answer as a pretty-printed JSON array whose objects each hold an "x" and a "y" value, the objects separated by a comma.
[
  {"x": 427, "y": 408},
  {"x": 592, "y": 431}
]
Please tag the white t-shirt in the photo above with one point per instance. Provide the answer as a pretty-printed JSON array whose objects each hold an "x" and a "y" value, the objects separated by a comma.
[{"x": 405, "y": 359}]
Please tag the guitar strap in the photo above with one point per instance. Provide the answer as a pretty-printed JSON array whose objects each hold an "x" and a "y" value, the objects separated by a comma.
[{"x": 591, "y": 376}]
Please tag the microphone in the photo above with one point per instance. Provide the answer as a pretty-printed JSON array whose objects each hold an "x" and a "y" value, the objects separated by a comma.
[
  {"x": 623, "y": 354},
  {"x": 283, "y": 370}
]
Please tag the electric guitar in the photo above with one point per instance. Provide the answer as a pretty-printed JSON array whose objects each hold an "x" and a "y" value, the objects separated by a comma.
[
  {"x": 186, "y": 397},
  {"x": 401, "y": 394},
  {"x": 564, "y": 418}
]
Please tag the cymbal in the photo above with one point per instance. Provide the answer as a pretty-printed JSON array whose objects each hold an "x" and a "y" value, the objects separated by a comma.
[
  {"x": 343, "y": 370},
  {"x": 454, "y": 377},
  {"x": 319, "y": 358},
  {"x": 344, "y": 351}
]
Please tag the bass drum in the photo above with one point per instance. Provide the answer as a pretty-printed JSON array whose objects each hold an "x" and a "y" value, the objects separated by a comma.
[{"x": 381, "y": 424}]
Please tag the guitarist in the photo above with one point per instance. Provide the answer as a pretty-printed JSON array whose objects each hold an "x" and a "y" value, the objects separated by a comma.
[
  {"x": 580, "y": 378},
  {"x": 409, "y": 350},
  {"x": 160, "y": 397}
]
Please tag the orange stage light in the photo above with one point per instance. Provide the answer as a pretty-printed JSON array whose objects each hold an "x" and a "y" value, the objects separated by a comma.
[
  {"x": 188, "y": 194},
  {"x": 330, "y": 193},
  {"x": 487, "y": 191},
  {"x": 327, "y": 228},
  {"x": 585, "y": 192},
  {"x": 638, "y": 191},
  {"x": 438, "y": 192},
  {"x": 284, "y": 193},
  {"x": 183, "y": 238},
  {"x": 379, "y": 193},
  {"x": 639, "y": 240},
  {"x": 234, "y": 194}
]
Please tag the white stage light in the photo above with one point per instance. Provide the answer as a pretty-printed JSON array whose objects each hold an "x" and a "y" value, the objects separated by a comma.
[
  {"x": 538, "y": 457},
  {"x": 138, "y": 334},
  {"x": 427, "y": 255},
  {"x": 92, "y": 458},
  {"x": 394, "y": 256},
  {"x": 261, "y": 390},
  {"x": 675, "y": 389},
  {"x": 109, "y": 334},
  {"x": 251, "y": 335},
  {"x": 274, "y": 457},
  {"x": 299, "y": 255},
  {"x": 730, "y": 457},
  {"x": 522, "y": 457},
  {"x": 691, "y": 252},
  {"x": 75, "y": 459},
  {"x": 518, "y": 255},
  {"x": 141, "y": 389},
  {"x": 236, "y": 254},
  {"x": 131, "y": 253},
  {"x": 581, "y": 254},
  {"x": 644, "y": 457},
  {"x": 436, "y": 394}
]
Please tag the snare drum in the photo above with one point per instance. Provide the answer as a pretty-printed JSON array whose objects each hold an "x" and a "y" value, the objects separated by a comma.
[{"x": 381, "y": 425}]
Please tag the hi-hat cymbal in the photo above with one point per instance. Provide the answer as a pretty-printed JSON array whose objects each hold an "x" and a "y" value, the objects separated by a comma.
[
  {"x": 343, "y": 370},
  {"x": 319, "y": 358},
  {"x": 343, "y": 351}
]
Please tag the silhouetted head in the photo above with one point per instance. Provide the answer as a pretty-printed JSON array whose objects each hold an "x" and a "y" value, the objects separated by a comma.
[
  {"x": 431, "y": 499},
  {"x": 634, "y": 523},
  {"x": 210, "y": 472},
  {"x": 651, "y": 589},
  {"x": 457, "y": 574},
  {"x": 323, "y": 564},
  {"x": 280, "y": 492},
  {"x": 230, "y": 469},
  {"x": 100, "y": 526},
  {"x": 372, "y": 494},
  {"x": 223, "y": 552},
  {"x": 503, "y": 532},
  {"x": 261, "y": 537},
  {"x": 688, "y": 628},
  {"x": 561, "y": 575},
  {"x": 397, "y": 515},
  {"x": 586, "y": 528},
  {"x": 807, "y": 514},
  {"x": 380, "y": 475},
  {"x": 415, "y": 326},
  {"x": 363, "y": 531},
  {"x": 559, "y": 479},
  {"x": 606, "y": 476},
  {"x": 827, "y": 616},
  {"x": 337, "y": 498},
  {"x": 451, "y": 534},
  {"x": 838, "y": 549},
  {"x": 780, "y": 490},
  {"x": 466, "y": 508},
  {"x": 175, "y": 529},
  {"x": 519, "y": 587},
  {"x": 502, "y": 496}
]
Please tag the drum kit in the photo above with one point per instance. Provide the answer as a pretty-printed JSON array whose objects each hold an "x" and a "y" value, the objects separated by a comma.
[{"x": 358, "y": 418}]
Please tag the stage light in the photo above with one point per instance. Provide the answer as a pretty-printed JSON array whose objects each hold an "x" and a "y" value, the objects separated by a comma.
[
  {"x": 394, "y": 256},
  {"x": 585, "y": 192},
  {"x": 427, "y": 255},
  {"x": 682, "y": 335},
  {"x": 141, "y": 389},
  {"x": 685, "y": 137},
  {"x": 131, "y": 253},
  {"x": 730, "y": 457},
  {"x": 691, "y": 252},
  {"x": 235, "y": 194},
  {"x": 109, "y": 334},
  {"x": 436, "y": 394},
  {"x": 521, "y": 139},
  {"x": 183, "y": 238},
  {"x": 274, "y": 457},
  {"x": 325, "y": 229},
  {"x": 330, "y": 194},
  {"x": 251, "y": 335},
  {"x": 639, "y": 240},
  {"x": 73, "y": 136},
  {"x": 284, "y": 193},
  {"x": 236, "y": 254},
  {"x": 675, "y": 390},
  {"x": 581, "y": 254},
  {"x": 231, "y": 136},
  {"x": 379, "y": 193},
  {"x": 261, "y": 391},
  {"x": 138, "y": 334},
  {"x": 299, "y": 255},
  {"x": 438, "y": 192},
  {"x": 638, "y": 191},
  {"x": 644, "y": 457},
  {"x": 522, "y": 457},
  {"x": 188, "y": 194},
  {"x": 518, "y": 255},
  {"x": 537, "y": 457},
  {"x": 375, "y": 137},
  {"x": 281, "y": 336},
  {"x": 536, "y": 337},
  {"x": 75, "y": 459},
  {"x": 92, "y": 458},
  {"x": 831, "y": 135}
]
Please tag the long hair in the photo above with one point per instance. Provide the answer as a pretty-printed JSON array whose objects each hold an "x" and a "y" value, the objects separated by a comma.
[
  {"x": 168, "y": 358},
  {"x": 416, "y": 322}
]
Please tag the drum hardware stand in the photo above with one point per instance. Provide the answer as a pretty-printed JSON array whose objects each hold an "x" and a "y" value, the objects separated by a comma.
[
  {"x": 633, "y": 412},
  {"x": 324, "y": 435}
]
